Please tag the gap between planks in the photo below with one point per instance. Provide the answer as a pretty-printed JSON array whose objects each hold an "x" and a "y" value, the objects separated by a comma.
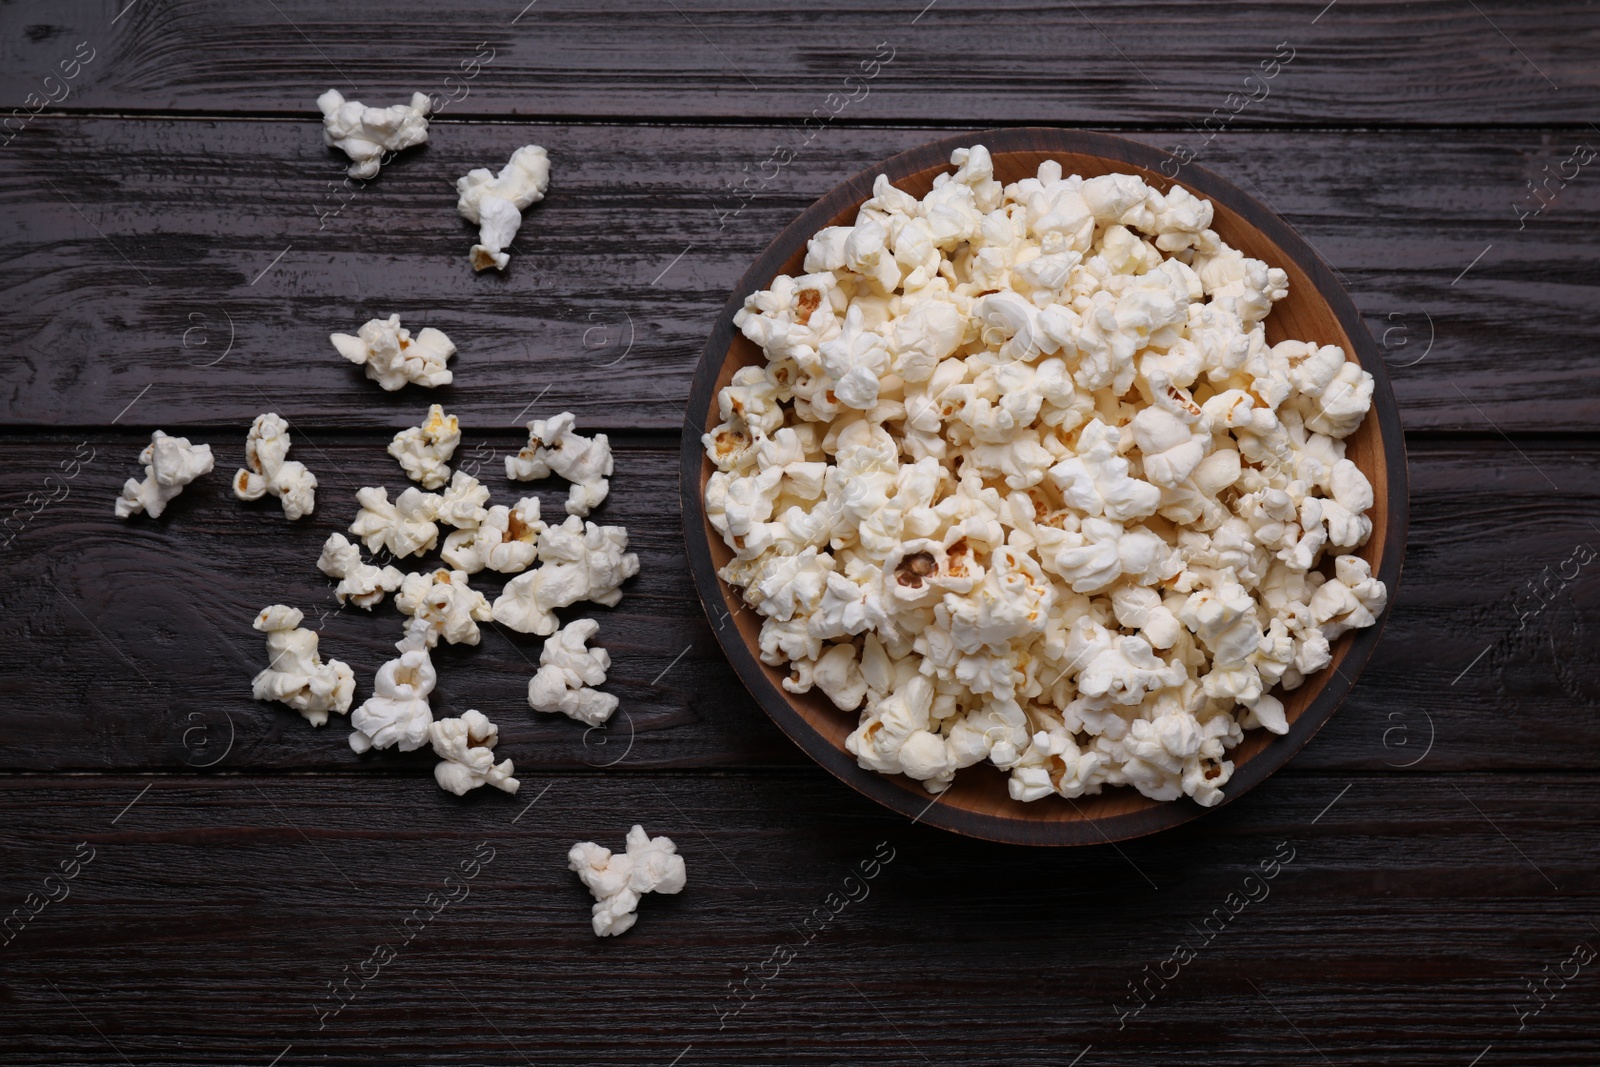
[{"x": 741, "y": 122}]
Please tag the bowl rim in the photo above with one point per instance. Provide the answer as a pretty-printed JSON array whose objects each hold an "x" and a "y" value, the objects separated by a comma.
[{"x": 895, "y": 791}]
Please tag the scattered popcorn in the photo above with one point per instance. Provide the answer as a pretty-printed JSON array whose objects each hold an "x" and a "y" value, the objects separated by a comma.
[
  {"x": 294, "y": 674},
  {"x": 578, "y": 561},
  {"x": 465, "y": 750},
  {"x": 496, "y": 203},
  {"x": 553, "y": 448},
  {"x": 1022, "y": 481},
  {"x": 366, "y": 133},
  {"x": 441, "y": 604},
  {"x": 424, "y": 451},
  {"x": 362, "y": 584},
  {"x": 397, "y": 713},
  {"x": 392, "y": 358},
  {"x": 405, "y": 528},
  {"x": 170, "y": 463},
  {"x": 268, "y": 470},
  {"x": 651, "y": 865},
  {"x": 566, "y": 671}
]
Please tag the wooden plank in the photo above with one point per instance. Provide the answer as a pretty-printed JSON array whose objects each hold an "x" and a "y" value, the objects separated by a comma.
[
  {"x": 142, "y": 249},
  {"x": 131, "y": 644},
  {"x": 1092, "y": 62},
  {"x": 216, "y": 912}
]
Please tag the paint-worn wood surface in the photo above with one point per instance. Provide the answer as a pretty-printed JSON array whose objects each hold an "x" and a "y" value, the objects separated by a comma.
[
  {"x": 176, "y": 194},
  {"x": 1093, "y": 61},
  {"x": 1398, "y": 927}
]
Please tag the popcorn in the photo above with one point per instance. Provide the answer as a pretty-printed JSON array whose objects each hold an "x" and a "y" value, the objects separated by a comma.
[
  {"x": 1140, "y": 608},
  {"x": 1102, "y": 552},
  {"x": 792, "y": 318},
  {"x": 466, "y": 757},
  {"x": 553, "y": 448},
  {"x": 787, "y": 586},
  {"x": 1351, "y": 600},
  {"x": 1096, "y": 480},
  {"x": 360, "y": 583},
  {"x": 268, "y": 470},
  {"x": 1339, "y": 408},
  {"x": 1009, "y": 324},
  {"x": 923, "y": 337},
  {"x": 366, "y": 133},
  {"x": 461, "y": 504},
  {"x": 505, "y": 541},
  {"x": 405, "y": 528},
  {"x": 579, "y": 561},
  {"x": 651, "y": 865},
  {"x": 496, "y": 202},
  {"x": 1021, "y": 480},
  {"x": 566, "y": 670},
  {"x": 441, "y": 604},
  {"x": 294, "y": 674},
  {"x": 397, "y": 713},
  {"x": 1170, "y": 447},
  {"x": 424, "y": 451},
  {"x": 1125, "y": 670},
  {"x": 170, "y": 463},
  {"x": 854, "y": 361},
  {"x": 838, "y": 675},
  {"x": 392, "y": 358},
  {"x": 879, "y": 742}
]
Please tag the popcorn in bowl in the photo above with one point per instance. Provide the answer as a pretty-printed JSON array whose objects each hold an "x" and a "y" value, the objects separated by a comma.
[{"x": 1021, "y": 480}]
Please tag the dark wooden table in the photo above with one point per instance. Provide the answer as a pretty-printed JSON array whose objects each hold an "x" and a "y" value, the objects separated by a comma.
[{"x": 179, "y": 244}]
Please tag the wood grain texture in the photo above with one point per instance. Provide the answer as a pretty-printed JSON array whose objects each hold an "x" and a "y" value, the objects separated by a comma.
[
  {"x": 1091, "y": 62},
  {"x": 1399, "y": 928},
  {"x": 132, "y": 646},
  {"x": 136, "y": 265}
]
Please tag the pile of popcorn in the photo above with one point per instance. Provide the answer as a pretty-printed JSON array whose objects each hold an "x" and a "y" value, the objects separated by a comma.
[{"x": 1022, "y": 481}]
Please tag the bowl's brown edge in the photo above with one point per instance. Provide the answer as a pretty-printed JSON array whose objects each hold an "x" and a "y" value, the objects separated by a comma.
[{"x": 893, "y": 791}]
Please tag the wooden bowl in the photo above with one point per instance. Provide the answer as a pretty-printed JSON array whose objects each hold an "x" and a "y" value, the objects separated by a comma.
[{"x": 1316, "y": 309}]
